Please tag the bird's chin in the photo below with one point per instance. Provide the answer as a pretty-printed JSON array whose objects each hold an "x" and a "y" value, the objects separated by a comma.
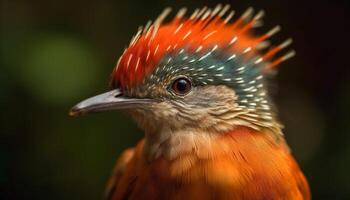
[{"x": 144, "y": 117}]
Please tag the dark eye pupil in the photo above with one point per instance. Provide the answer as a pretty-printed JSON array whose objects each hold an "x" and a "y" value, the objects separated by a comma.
[{"x": 181, "y": 86}]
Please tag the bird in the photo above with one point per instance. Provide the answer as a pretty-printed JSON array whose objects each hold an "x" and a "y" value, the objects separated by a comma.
[{"x": 198, "y": 86}]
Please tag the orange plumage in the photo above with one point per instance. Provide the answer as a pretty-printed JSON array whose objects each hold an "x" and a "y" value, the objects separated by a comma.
[{"x": 242, "y": 164}]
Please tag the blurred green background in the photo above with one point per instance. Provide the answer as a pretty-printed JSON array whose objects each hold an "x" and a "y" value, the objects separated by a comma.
[{"x": 55, "y": 53}]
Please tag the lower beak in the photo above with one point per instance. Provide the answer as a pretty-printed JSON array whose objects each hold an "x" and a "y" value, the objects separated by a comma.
[{"x": 112, "y": 100}]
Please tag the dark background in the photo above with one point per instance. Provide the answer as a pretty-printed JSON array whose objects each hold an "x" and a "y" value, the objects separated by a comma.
[{"x": 55, "y": 53}]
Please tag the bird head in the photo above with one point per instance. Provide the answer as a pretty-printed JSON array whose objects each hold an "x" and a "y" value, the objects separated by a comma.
[{"x": 204, "y": 71}]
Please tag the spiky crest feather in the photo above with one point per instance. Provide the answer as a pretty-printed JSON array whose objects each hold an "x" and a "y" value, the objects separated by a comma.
[{"x": 204, "y": 29}]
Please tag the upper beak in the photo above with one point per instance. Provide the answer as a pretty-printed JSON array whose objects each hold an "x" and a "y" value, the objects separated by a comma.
[{"x": 112, "y": 100}]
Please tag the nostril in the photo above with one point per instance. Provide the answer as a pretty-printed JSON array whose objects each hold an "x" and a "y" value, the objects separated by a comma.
[{"x": 118, "y": 95}]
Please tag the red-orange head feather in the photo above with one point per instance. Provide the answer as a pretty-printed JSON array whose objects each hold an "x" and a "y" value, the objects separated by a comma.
[{"x": 204, "y": 29}]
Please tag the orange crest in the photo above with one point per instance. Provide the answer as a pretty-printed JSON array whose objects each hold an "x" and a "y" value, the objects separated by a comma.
[{"x": 205, "y": 29}]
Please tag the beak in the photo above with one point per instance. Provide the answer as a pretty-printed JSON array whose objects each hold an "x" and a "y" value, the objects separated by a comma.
[{"x": 112, "y": 100}]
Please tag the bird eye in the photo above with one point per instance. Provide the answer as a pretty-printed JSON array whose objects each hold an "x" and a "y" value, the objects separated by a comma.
[{"x": 181, "y": 86}]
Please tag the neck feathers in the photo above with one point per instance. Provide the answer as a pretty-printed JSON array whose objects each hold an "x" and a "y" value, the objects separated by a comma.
[{"x": 170, "y": 144}]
